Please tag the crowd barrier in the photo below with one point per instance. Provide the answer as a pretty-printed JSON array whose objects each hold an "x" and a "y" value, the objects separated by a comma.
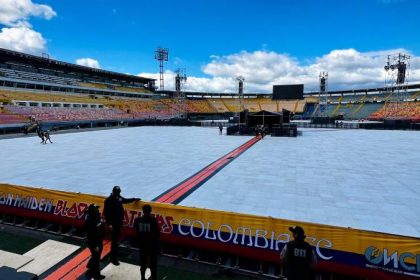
[{"x": 339, "y": 250}]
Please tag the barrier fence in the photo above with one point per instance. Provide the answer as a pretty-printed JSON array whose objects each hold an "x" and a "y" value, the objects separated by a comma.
[{"x": 339, "y": 250}]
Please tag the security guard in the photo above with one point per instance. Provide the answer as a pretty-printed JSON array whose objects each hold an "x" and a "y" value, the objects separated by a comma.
[
  {"x": 95, "y": 234},
  {"x": 114, "y": 217},
  {"x": 298, "y": 256},
  {"x": 148, "y": 235}
]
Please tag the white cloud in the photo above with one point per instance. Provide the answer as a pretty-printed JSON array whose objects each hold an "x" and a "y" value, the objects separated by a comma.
[
  {"x": 22, "y": 39},
  {"x": 347, "y": 69},
  {"x": 216, "y": 84},
  {"x": 18, "y": 34},
  {"x": 17, "y": 12},
  {"x": 89, "y": 62}
]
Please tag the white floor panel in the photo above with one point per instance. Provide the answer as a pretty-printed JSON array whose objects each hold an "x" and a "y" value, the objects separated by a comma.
[
  {"x": 46, "y": 255},
  {"x": 13, "y": 260},
  {"x": 123, "y": 271}
]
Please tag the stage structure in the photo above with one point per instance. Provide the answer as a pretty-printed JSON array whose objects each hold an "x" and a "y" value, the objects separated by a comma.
[
  {"x": 397, "y": 70},
  {"x": 240, "y": 80},
  {"x": 180, "y": 79},
  {"x": 323, "y": 95},
  {"x": 161, "y": 55}
]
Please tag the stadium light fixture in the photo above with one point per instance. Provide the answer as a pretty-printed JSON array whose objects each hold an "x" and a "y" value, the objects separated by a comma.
[{"x": 161, "y": 55}]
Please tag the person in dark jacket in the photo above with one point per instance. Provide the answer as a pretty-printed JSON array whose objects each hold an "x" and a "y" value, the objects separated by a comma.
[
  {"x": 148, "y": 235},
  {"x": 298, "y": 256},
  {"x": 95, "y": 234},
  {"x": 114, "y": 217},
  {"x": 263, "y": 131}
]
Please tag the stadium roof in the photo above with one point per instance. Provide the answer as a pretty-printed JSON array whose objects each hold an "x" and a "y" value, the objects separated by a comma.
[
  {"x": 365, "y": 90},
  {"x": 46, "y": 62},
  {"x": 306, "y": 94}
]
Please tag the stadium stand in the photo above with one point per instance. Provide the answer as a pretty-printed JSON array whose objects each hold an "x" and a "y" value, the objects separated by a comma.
[
  {"x": 94, "y": 85},
  {"x": 67, "y": 114},
  {"x": 8, "y": 96},
  {"x": 408, "y": 110},
  {"x": 218, "y": 105},
  {"x": 6, "y": 118},
  {"x": 16, "y": 74},
  {"x": 200, "y": 106},
  {"x": 268, "y": 105},
  {"x": 232, "y": 104},
  {"x": 366, "y": 110},
  {"x": 24, "y": 70},
  {"x": 289, "y": 105},
  {"x": 134, "y": 90},
  {"x": 252, "y": 105},
  {"x": 56, "y": 90},
  {"x": 415, "y": 95},
  {"x": 145, "y": 108}
]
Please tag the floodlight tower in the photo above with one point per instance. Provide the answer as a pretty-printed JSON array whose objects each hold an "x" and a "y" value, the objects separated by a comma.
[
  {"x": 240, "y": 80},
  {"x": 180, "y": 79},
  {"x": 161, "y": 54},
  {"x": 397, "y": 70},
  {"x": 323, "y": 94}
]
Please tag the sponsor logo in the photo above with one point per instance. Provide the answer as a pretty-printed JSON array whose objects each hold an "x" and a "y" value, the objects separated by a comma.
[{"x": 405, "y": 262}]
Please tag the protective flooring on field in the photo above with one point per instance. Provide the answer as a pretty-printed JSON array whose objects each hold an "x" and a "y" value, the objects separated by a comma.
[
  {"x": 353, "y": 178},
  {"x": 144, "y": 161}
]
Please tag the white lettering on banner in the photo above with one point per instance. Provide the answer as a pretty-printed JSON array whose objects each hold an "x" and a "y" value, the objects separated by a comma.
[
  {"x": 258, "y": 238},
  {"x": 27, "y": 202},
  {"x": 209, "y": 224},
  {"x": 6, "y": 199},
  {"x": 311, "y": 240},
  {"x": 244, "y": 235},
  {"x": 34, "y": 203},
  {"x": 258, "y": 235},
  {"x": 187, "y": 223},
  {"x": 9, "y": 199},
  {"x": 220, "y": 231},
  {"x": 201, "y": 228},
  {"x": 41, "y": 204},
  {"x": 280, "y": 239},
  {"x": 328, "y": 244},
  {"x": 48, "y": 206}
]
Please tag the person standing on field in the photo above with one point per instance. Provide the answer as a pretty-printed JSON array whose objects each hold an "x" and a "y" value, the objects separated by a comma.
[
  {"x": 114, "y": 217},
  {"x": 297, "y": 256},
  {"x": 95, "y": 233},
  {"x": 148, "y": 233}
]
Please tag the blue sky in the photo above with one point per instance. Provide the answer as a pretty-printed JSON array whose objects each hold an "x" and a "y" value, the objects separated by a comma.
[{"x": 122, "y": 35}]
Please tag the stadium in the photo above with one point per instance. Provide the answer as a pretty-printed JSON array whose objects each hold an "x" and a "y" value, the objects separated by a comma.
[
  {"x": 290, "y": 150},
  {"x": 227, "y": 173}
]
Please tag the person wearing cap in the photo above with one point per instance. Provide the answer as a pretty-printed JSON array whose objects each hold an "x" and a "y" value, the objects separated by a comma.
[
  {"x": 114, "y": 217},
  {"x": 95, "y": 233},
  {"x": 298, "y": 256},
  {"x": 148, "y": 233}
]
